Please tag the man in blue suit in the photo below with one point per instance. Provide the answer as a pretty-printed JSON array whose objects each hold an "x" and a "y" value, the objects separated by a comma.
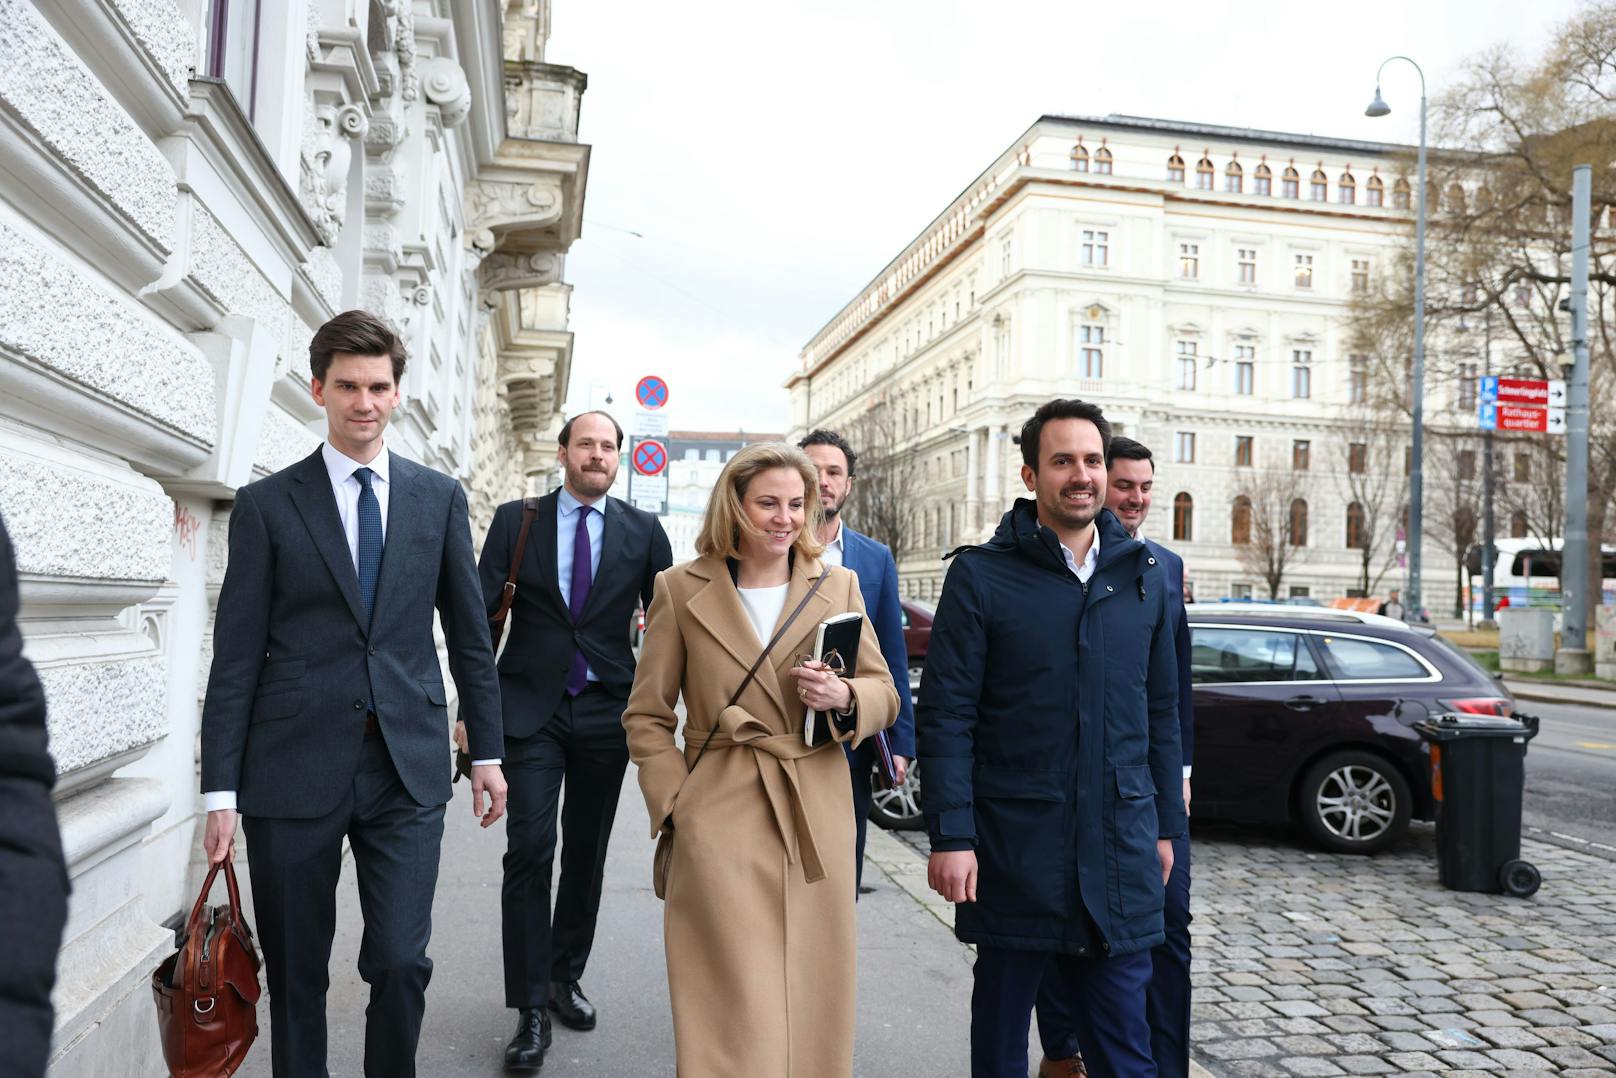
[
  {"x": 1131, "y": 476},
  {"x": 877, "y": 575}
]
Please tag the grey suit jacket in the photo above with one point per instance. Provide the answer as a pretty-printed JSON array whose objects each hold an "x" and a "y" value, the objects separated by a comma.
[{"x": 293, "y": 659}]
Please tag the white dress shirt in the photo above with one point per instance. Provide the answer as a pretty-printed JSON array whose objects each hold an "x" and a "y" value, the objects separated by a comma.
[
  {"x": 834, "y": 549},
  {"x": 1091, "y": 560},
  {"x": 567, "y": 510}
]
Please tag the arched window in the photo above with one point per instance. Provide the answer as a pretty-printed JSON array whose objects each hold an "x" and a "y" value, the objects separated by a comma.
[
  {"x": 1347, "y": 189},
  {"x": 1484, "y": 198},
  {"x": 1318, "y": 188},
  {"x": 1102, "y": 161},
  {"x": 1517, "y": 524},
  {"x": 1400, "y": 193},
  {"x": 1240, "y": 521},
  {"x": 1263, "y": 180},
  {"x": 1290, "y": 183},
  {"x": 1454, "y": 200},
  {"x": 1234, "y": 178},
  {"x": 1175, "y": 169},
  {"x": 1356, "y": 528},
  {"x": 1183, "y": 518},
  {"x": 1203, "y": 174},
  {"x": 1080, "y": 158},
  {"x": 1299, "y": 522},
  {"x": 1375, "y": 192}
]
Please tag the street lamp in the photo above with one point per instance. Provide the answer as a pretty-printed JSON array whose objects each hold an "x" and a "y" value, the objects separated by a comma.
[{"x": 1416, "y": 484}]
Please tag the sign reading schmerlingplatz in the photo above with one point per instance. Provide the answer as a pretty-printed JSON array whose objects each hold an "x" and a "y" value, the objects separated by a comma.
[{"x": 1522, "y": 404}]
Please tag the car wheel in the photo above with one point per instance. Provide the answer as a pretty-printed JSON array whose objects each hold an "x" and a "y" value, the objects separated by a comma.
[
  {"x": 897, "y": 809},
  {"x": 916, "y": 668},
  {"x": 1354, "y": 802}
]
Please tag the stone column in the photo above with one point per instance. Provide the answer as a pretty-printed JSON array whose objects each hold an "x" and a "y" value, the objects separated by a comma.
[
  {"x": 973, "y": 482},
  {"x": 995, "y": 470}
]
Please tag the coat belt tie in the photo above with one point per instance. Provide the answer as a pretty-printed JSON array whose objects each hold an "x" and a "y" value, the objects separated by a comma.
[{"x": 776, "y": 756}]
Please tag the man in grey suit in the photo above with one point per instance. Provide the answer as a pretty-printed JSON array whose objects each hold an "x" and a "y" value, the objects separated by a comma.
[{"x": 326, "y": 715}]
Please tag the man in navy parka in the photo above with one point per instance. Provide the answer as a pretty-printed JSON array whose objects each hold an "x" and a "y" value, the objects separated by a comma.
[{"x": 1048, "y": 736}]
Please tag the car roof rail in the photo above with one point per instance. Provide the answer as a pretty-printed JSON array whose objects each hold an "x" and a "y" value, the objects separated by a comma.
[{"x": 1282, "y": 610}]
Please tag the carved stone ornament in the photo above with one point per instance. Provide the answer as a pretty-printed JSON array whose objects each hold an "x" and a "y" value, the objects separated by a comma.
[
  {"x": 404, "y": 46},
  {"x": 495, "y": 204},
  {"x": 326, "y": 155},
  {"x": 500, "y": 271},
  {"x": 446, "y": 87}
]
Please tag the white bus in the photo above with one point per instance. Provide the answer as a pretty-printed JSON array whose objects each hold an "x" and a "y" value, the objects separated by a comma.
[{"x": 1526, "y": 573}]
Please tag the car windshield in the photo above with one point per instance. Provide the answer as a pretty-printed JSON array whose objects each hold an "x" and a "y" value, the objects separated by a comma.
[
  {"x": 924, "y": 608},
  {"x": 1463, "y": 657}
]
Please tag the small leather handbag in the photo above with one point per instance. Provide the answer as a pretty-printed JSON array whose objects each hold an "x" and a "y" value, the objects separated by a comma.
[{"x": 207, "y": 991}]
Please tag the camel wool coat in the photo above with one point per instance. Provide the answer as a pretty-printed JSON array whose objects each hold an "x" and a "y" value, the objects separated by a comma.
[{"x": 759, "y": 921}]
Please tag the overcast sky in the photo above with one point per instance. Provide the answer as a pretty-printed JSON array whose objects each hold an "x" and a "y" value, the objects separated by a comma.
[{"x": 755, "y": 164}]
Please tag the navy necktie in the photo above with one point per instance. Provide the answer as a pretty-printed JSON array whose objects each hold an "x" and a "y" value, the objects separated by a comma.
[
  {"x": 583, "y": 575},
  {"x": 370, "y": 541}
]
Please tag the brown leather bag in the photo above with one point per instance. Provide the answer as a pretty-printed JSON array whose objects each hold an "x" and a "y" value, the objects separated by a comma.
[{"x": 207, "y": 990}]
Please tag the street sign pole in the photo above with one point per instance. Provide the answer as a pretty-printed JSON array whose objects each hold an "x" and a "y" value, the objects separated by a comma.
[
  {"x": 1489, "y": 539},
  {"x": 1573, "y": 656}
]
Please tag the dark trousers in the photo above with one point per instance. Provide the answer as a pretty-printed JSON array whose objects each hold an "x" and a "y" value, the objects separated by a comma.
[
  {"x": 295, "y": 865},
  {"x": 583, "y": 744},
  {"x": 1108, "y": 1013},
  {"x": 861, "y": 761},
  {"x": 33, "y": 909},
  {"x": 1168, "y": 1001}
]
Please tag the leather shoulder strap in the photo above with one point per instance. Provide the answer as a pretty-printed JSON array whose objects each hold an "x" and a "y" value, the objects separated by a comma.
[{"x": 530, "y": 510}]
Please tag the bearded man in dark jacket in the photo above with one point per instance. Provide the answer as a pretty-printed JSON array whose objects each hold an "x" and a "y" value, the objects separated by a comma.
[{"x": 1048, "y": 735}]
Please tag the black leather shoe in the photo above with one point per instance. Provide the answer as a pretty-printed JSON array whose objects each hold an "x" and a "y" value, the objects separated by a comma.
[
  {"x": 525, "y": 1053},
  {"x": 567, "y": 1000}
]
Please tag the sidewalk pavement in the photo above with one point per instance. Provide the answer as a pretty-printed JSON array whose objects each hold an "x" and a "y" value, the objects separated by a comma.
[{"x": 1574, "y": 693}]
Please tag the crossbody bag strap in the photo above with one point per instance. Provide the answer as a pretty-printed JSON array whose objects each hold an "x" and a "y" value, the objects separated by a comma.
[
  {"x": 756, "y": 666},
  {"x": 530, "y": 510}
]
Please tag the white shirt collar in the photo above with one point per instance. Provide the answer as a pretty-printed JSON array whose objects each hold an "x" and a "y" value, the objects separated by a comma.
[
  {"x": 340, "y": 467},
  {"x": 567, "y": 504},
  {"x": 1091, "y": 560},
  {"x": 837, "y": 542}
]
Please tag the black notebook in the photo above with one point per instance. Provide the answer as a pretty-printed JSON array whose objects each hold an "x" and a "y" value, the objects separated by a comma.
[{"x": 836, "y": 644}]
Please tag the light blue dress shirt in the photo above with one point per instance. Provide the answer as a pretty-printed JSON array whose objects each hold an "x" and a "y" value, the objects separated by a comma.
[{"x": 567, "y": 510}]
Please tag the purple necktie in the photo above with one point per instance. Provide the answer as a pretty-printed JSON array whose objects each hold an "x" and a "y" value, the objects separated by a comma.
[{"x": 582, "y": 576}]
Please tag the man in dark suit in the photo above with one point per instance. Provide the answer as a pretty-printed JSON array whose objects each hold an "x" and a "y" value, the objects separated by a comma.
[
  {"x": 33, "y": 879},
  {"x": 877, "y": 575},
  {"x": 326, "y": 714},
  {"x": 1131, "y": 478},
  {"x": 565, "y": 675}
]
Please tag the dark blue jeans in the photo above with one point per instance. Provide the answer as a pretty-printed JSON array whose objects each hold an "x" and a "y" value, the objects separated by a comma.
[
  {"x": 1169, "y": 995},
  {"x": 1108, "y": 1012}
]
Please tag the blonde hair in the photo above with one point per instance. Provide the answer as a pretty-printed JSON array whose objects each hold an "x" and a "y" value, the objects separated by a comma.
[{"x": 725, "y": 519}]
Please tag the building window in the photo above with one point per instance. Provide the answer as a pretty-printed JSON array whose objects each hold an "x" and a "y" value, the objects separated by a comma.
[
  {"x": 1455, "y": 199},
  {"x": 1299, "y": 522},
  {"x": 1263, "y": 180},
  {"x": 1102, "y": 161},
  {"x": 1467, "y": 464},
  {"x": 1203, "y": 174},
  {"x": 1240, "y": 527},
  {"x": 1358, "y": 458},
  {"x": 1246, "y": 264},
  {"x": 1301, "y": 375},
  {"x": 1096, "y": 248},
  {"x": 1091, "y": 351},
  {"x": 1189, "y": 261},
  {"x": 1523, "y": 468},
  {"x": 1243, "y": 451},
  {"x": 1185, "y": 364},
  {"x": 1517, "y": 524},
  {"x": 1004, "y": 257},
  {"x": 1347, "y": 189},
  {"x": 1175, "y": 169},
  {"x": 1234, "y": 178},
  {"x": 232, "y": 48},
  {"x": 1290, "y": 183},
  {"x": 1375, "y": 192},
  {"x": 1240, "y": 591},
  {"x": 1356, "y": 529},
  {"x": 1400, "y": 193},
  {"x": 1318, "y": 188},
  {"x": 1080, "y": 158},
  {"x": 1301, "y": 454},
  {"x": 1304, "y": 269},
  {"x": 1184, "y": 447},
  {"x": 1360, "y": 275},
  {"x": 1467, "y": 387},
  {"x": 1245, "y": 371},
  {"x": 1183, "y": 518},
  {"x": 1357, "y": 379}
]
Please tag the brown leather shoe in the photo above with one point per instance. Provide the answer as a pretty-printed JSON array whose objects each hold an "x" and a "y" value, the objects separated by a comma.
[{"x": 1063, "y": 1068}]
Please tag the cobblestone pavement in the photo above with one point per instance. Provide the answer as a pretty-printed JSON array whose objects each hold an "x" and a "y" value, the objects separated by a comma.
[{"x": 1308, "y": 963}]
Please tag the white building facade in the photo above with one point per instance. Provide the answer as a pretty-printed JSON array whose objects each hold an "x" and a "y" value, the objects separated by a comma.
[
  {"x": 1193, "y": 280},
  {"x": 695, "y": 460},
  {"x": 187, "y": 189}
]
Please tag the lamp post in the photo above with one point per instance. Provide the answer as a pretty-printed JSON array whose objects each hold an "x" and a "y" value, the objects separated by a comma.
[{"x": 1416, "y": 483}]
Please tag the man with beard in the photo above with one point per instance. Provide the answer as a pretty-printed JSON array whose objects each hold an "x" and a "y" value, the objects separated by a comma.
[
  {"x": 1131, "y": 477},
  {"x": 877, "y": 575},
  {"x": 565, "y": 675},
  {"x": 1048, "y": 723}
]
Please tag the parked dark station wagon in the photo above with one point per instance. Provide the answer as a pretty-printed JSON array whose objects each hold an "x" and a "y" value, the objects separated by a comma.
[{"x": 1306, "y": 715}]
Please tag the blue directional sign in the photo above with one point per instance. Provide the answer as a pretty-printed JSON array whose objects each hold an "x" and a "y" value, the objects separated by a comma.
[
  {"x": 1487, "y": 413},
  {"x": 1489, "y": 389}
]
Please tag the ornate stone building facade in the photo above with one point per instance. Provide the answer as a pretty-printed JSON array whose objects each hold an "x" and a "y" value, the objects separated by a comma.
[
  {"x": 187, "y": 189},
  {"x": 1195, "y": 281}
]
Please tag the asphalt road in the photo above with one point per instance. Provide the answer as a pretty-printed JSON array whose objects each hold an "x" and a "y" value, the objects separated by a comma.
[{"x": 1571, "y": 773}]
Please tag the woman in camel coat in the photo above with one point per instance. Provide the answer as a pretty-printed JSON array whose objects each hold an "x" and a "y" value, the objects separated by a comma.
[{"x": 759, "y": 924}]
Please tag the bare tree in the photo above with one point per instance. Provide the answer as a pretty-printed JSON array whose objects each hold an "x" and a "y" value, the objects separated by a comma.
[
  {"x": 883, "y": 498},
  {"x": 1455, "y": 494},
  {"x": 1532, "y": 486},
  {"x": 1271, "y": 525},
  {"x": 1374, "y": 485}
]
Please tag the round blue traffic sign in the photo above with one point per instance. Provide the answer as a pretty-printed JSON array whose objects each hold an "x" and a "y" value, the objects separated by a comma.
[{"x": 652, "y": 392}]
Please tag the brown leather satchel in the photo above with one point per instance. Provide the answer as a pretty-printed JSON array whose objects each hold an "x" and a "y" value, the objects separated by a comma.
[{"x": 207, "y": 990}]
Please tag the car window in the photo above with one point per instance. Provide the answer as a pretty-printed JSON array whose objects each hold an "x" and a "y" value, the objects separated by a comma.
[
  {"x": 1351, "y": 659},
  {"x": 1225, "y": 655},
  {"x": 905, "y": 614}
]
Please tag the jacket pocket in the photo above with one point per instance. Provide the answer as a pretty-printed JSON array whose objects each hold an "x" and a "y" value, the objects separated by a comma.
[
  {"x": 277, "y": 705},
  {"x": 282, "y": 670},
  {"x": 1023, "y": 848},
  {"x": 1135, "y": 864},
  {"x": 435, "y": 693}
]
